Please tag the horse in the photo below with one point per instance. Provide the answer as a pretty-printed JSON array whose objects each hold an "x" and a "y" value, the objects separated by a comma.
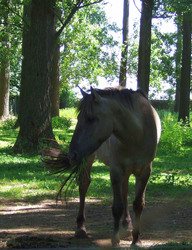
[{"x": 121, "y": 128}]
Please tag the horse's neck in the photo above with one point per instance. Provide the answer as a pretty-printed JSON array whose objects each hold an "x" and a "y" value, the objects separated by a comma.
[{"x": 127, "y": 126}]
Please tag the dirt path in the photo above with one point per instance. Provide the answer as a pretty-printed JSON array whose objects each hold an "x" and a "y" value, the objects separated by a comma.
[{"x": 47, "y": 225}]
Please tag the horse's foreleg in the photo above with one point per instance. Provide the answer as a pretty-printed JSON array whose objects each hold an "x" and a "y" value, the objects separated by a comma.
[
  {"x": 139, "y": 202},
  {"x": 85, "y": 180},
  {"x": 127, "y": 224},
  {"x": 117, "y": 208}
]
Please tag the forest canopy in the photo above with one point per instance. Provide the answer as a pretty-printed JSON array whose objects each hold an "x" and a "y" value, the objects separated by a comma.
[{"x": 47, "y": 47}]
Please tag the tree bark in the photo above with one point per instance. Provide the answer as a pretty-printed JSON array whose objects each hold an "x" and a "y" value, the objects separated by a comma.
[
  {"x": 123, "y": 64},
  {"x": 178, "y": 66},
  {"x": 145, "y": 46},
  {"x": 55, "y": 84},
  {"x": 38, "y": 48},
  {"x": 5, "y": 67},
  {"x": 186, "y": 68},
  {"x": 4, "y": 89}
]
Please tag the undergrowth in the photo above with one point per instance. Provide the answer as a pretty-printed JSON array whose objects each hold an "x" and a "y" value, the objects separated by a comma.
[
  {"x": 175, "y": 135},
  {"x": 23, "y": 177}
]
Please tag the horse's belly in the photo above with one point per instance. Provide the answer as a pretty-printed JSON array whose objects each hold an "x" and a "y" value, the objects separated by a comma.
[{"x": 113, "y": 152}]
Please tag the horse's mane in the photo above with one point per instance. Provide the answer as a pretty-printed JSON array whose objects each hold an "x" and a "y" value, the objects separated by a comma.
[{"x": 122, "y": 95}]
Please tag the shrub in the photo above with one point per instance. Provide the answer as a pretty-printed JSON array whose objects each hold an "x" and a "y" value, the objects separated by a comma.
[
  {"x": 187, "y": 134},
  {"x": 61, "y": 123},
  {"x": 174, "y": 135},
  {"x": 171, "y": 137},
  {"x": 10, "y": 123}
]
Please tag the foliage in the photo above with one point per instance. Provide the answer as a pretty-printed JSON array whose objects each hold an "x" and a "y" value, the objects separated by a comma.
[
  {"x": 88, "y": 48},
  {"x": 162, "y": 58},
  {"x": 172, "y": 178},
  {"x": 8, "y": 124},
  {"x": 89, "y": 31},
  {"x": 67, "y": 97},
  {"x": 14, "y": 32},
  {"x": 69, "y": 113},
  {"x": 167, "y": 8},
  {"x": 163, "y": 47},
  {"x": 61, "y": 123},
  {"x": 175, "y": 136}
]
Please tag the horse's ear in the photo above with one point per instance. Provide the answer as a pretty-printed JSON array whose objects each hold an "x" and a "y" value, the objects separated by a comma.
[
  {"x": 97, "y": 97},
  {"x": 82, "y": 92}
]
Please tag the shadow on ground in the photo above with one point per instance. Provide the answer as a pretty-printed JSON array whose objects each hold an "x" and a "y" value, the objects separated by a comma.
[{"x": 46, "y": 225}]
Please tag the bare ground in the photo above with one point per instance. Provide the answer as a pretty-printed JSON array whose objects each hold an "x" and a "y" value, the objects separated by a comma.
[{"x": 46, "y": 225}]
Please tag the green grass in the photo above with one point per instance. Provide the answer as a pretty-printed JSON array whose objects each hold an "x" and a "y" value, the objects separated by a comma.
[{"x": 22, "y": 177}]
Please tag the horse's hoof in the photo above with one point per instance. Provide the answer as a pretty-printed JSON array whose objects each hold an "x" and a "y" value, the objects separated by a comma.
[
  {"x": 136, "y": 243},
  {"x": 126, "y": 234},
  {"x": 115, "y": 240},
  {"x": 115, "y": 243},
  {"x": 81, "y": 233}
]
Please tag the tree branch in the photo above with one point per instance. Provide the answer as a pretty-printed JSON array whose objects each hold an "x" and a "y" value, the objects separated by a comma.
[
  {"x": 89, "y": 4},
  {"x": 14, "y": 12},
  {"x": 75, "y": 8},
  {"x": 136, "y": 6}
]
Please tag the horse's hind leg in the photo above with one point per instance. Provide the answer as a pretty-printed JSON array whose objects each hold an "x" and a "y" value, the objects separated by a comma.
[
  {"x": 85, "y": 180},
  {"x": 117, "y": 207},
  {"x": 139, "y": 202},
  {"x": 127, "y": 224}
]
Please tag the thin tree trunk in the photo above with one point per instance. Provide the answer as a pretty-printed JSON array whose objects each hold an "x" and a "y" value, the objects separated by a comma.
[
  {"x": 186, "y": 68},
  {"x": 145, "y": 46},
  {"x": 4, "y": 89},
  {"x": 123, "y": 64},
  {"x": 178, "y": 66},
  {"x": 5, "y": 67}
]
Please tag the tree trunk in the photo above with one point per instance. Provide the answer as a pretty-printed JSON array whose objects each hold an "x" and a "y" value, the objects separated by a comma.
[
  {"x": 5, "y": 67},
  {"x": 178, "y": 66},
  {"x": 4, "y": 89},
  {"x": 38, "y": 47},
  {"x": 186, "y": 68},
  {"x": 55, "y": 84},
  {"x": 123, "y": 64},
  {"x": 145, "y": 46}
]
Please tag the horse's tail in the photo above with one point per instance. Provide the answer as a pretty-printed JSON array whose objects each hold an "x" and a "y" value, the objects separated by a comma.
[{"x": 57, "y": 162}]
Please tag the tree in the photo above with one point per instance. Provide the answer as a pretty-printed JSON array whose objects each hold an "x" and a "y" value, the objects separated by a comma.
[
  {"x": 39, "y": 44},
  {"x": 55, "y": 82},
  {"x": 186, "y": 67},
  {"x": 178, "y": 63},
  {"x": 123, "y": 64},
  {"x": 38, "y": 48},
  {"x": 5, "y": 63},
  {"x": 145, "y": 46},
  {"x": 10, "y": 51}
]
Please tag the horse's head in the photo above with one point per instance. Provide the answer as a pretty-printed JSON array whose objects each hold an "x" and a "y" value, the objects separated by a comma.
[{"x": 94, "y": 126}]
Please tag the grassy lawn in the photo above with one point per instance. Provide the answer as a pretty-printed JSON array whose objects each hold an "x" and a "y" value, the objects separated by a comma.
[{"x": 22, "y": 177}]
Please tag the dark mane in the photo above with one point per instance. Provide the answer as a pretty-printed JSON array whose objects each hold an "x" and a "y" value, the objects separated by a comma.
[{"x": 122, "y": 95}]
